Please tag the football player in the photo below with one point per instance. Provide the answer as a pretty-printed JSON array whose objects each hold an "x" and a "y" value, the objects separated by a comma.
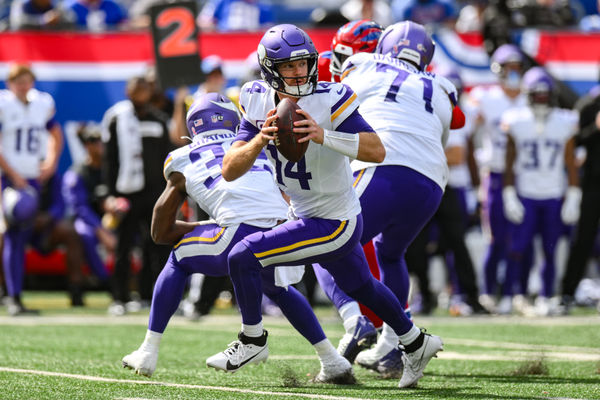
[
  {"x": 488, "y": 103},
  {"x": 540, "y": 146},
  {"x": 250, "y": 204},
  {"x": 328, "y": 222},
  {"x": 411, "y": 110},
  {"x": 32, "y": 142}
]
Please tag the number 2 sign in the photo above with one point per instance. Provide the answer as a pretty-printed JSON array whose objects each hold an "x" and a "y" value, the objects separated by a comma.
[{"x": 175, "y": 37}]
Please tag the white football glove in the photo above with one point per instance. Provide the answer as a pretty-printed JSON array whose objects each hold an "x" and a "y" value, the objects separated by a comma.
[
  {"x": 513, "y": 208},
  {"x": 569, "y": 212}
]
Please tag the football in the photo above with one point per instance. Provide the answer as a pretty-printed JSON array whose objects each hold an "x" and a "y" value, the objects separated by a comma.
[{"x": 286, "y": 139}]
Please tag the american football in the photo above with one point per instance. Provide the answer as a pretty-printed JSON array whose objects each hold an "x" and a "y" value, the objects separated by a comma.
[{"x": 286, "y": 139}]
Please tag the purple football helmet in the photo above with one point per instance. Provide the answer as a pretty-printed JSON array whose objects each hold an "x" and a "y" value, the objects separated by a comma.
[
  {"x": 538, "y": 86},
  {"x": 212, "y": 114},
  {"x": 20, "y": 205},
  {"x": 285, "y": 43},
  {"x": 505, "y": 54},
  {"x": 407, "y": 41}
]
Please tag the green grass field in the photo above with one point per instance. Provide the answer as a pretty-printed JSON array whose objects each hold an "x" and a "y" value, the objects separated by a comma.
[{"x": 75, "y": 354}]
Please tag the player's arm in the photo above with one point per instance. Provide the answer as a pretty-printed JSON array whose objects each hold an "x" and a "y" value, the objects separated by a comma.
[
  {"x": 455, "y": 155},
  {"x": 55, "y": 147},
  {"x": 360, "y": 143},
  {"x": 511, "y": 155},
  {"x": 242, "y": 154},
  {"x": 166, "y": 229},
  {"x": 570, "y": 209},
  {"x": 570, "y": 163}
]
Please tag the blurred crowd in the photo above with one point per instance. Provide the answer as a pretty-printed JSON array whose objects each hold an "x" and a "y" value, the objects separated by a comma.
[
  {"x": 495, "y": 17},
  {"x": 100, "y": 211}
]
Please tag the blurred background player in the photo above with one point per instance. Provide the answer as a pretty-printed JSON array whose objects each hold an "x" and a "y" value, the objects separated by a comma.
[
  {"x": 135, "y": 135},
  {"x": 487, "y": 104},
  {"x": 588, "y": 137},
  {"x": 86, "y": 194},
  {"x": 31, "y": 143},
  {"x": 250, "y": 204},
  {"x": 540, "y": 147}
]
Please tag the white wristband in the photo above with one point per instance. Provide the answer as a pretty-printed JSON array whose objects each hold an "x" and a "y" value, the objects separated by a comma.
[{"x": 345, "y": 143}]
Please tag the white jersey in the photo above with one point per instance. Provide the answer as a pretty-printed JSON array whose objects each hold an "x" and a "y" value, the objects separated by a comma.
[
  {"x": 24, "y": 130},
  {"x": 459, "y": 176},
  {"x": 320, "y": 184},
  {"x": 253, "y": 199},
  {"x": 539, "y": 167},
  {"x": 490, "y": 103},
  {"x": 410, "y": 110}
]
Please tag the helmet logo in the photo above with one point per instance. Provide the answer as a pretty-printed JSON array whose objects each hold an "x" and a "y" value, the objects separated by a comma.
[
  {"x": 262, "y": 52},
  {"x": 421, "y": 48},
  {"x": 198, "y": 122},
  {"x": 216, "y": 118}
]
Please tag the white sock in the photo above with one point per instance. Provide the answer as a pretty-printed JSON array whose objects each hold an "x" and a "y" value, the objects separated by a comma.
[
  {"x": 350, "y": 324},
  {"x": 388, "y": 338},
  {"x": 253, "y": 330},
  {"x": 410, "y": 336},
  {"x": 151, "y": 341},
  {"x": 349, "y": 310},
  {"x": 325, "y": 349}
]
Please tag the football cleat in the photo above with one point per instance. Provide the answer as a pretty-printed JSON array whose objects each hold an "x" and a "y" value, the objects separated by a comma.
[
  {"x": 337, "y": 371},
  {"x": 362, "y": 337},
  {"x": 389, "y": 366},
  {"x": 15, "y": 308},
  {"x": 246, "y": 350},
  {"x": 416, "y": 361},
  {"x": 505, "y": 305},
  {"x": 142, "y": 362}
]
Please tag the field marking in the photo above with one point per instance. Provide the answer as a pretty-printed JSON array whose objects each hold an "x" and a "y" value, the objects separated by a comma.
[
  {"x": 520, "y": 346},
  {"x": 176, "y": 385}
]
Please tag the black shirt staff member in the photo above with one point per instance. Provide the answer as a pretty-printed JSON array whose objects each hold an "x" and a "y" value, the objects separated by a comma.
[{"x": 137, "y": 141}]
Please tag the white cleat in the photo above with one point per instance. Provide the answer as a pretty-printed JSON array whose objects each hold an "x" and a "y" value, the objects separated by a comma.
[
  {"x": 505, "y": 305},
  {"x": 142, "y": 362},
  {"x": 369, "y": 358},
  {"x": 337, "y": 371},
  {"x": 488, "y": 303},
  {"x": 246, "y": 350},
  {"x": 416, "y": 361}
]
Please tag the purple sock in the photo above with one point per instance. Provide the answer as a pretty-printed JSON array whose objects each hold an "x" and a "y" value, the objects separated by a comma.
[
  {"x": 13, "y": 258},
  {"x": 337, "y": 296},
  {"x": 297, "y": 310},
  {"x": 168, "y": 291},
  {"x": 244, "y": 270}
]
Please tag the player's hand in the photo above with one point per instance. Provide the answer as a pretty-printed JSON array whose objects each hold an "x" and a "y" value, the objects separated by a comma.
[
  {"x": 309, "y": 126},
  {"x": 598, "y": 120},
  {"x": 268, "y": 129},
  {"x": 47, "y": 170},
  {"x": 107, "y": 238},
  {"x": 513, "y": 208},
  {"x": 569, "y": 212},
  {"x": 18, "y": 182}
]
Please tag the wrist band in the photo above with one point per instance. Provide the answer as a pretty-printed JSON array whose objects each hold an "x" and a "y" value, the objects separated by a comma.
[{"x": 345, "y": 143}]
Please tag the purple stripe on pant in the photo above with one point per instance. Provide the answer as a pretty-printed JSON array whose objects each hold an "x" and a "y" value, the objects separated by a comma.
[{"x": 171, "y": 282}]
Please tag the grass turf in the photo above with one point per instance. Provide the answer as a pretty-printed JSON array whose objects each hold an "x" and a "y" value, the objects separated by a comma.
[{"x": 484, "y": 358}]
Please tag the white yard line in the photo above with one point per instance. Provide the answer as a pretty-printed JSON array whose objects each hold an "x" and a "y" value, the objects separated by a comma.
[{"x": 175, "y": 385}]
